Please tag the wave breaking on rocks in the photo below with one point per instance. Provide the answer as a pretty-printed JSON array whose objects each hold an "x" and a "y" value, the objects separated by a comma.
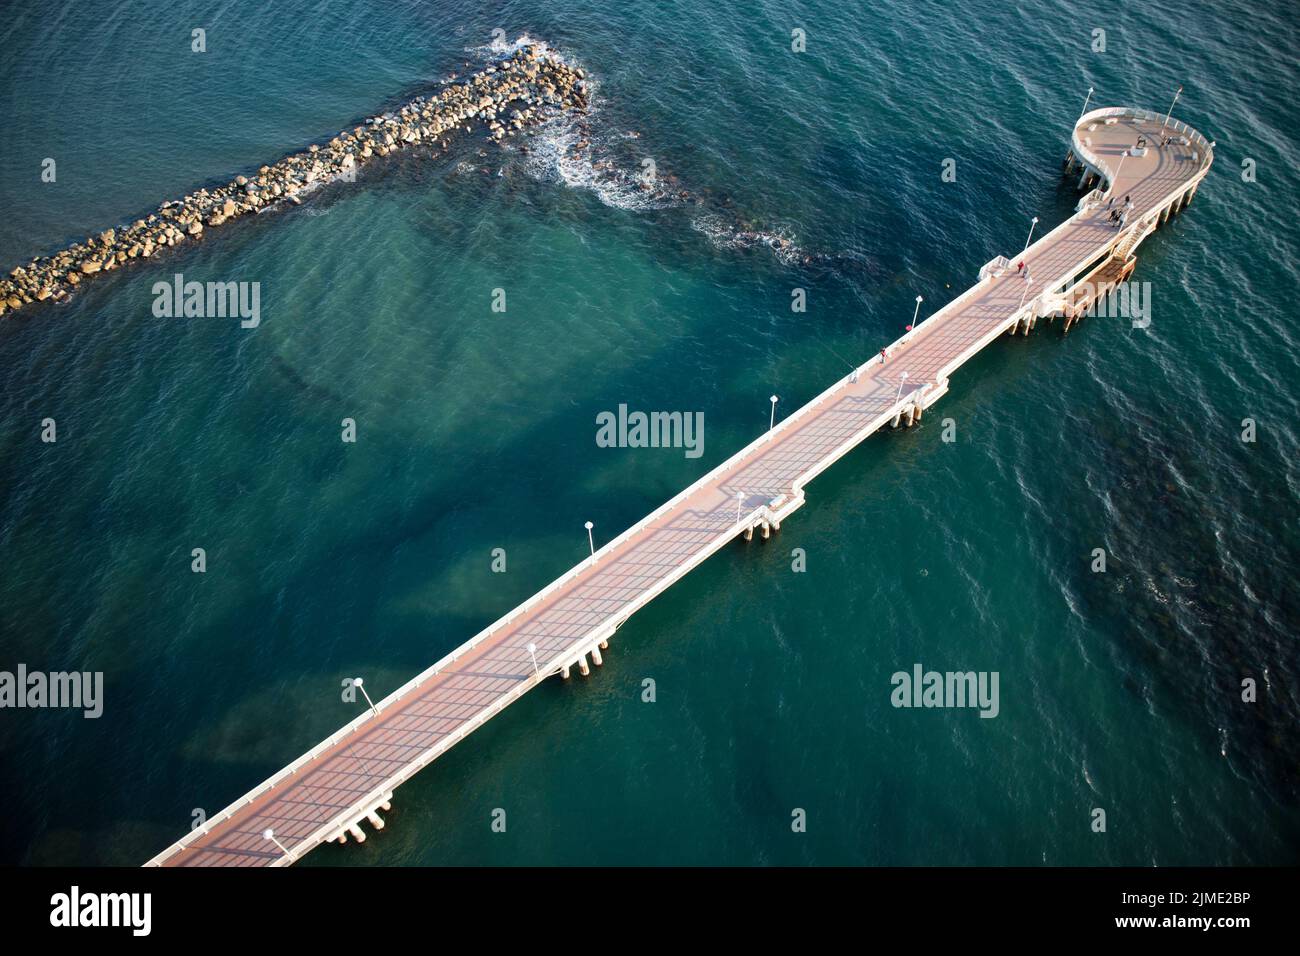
[{"x": 529, "y": 86}]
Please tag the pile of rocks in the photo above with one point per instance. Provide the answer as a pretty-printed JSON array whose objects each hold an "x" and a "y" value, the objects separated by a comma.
[{"x": 513, "y": 94}]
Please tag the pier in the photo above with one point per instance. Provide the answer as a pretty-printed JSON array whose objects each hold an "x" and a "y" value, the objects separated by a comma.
[{"x": 338, "y": 789}]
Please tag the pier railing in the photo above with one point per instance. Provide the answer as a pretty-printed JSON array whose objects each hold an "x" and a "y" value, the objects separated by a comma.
[{"x": 1204, "y": 148}]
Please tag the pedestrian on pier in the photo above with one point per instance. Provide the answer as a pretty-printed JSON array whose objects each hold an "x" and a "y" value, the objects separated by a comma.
[
  {"x": 884, "y": 354},
  {"x": 1020, "y": 268}
]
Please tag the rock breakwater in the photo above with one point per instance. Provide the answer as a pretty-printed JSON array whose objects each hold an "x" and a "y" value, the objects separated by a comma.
[{"x": 517, "y": 92}]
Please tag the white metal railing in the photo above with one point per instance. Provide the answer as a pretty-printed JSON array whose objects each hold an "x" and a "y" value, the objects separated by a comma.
[
  {"x": 1201, "y": 146},
  {"x": 1090, "y": 198}
]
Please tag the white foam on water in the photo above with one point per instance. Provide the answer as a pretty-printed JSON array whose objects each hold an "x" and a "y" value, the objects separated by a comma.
[
  {"x": 726, "y": 234},
  {"x": 501, "y": 50},
  {"x": 567, "y": 151}
]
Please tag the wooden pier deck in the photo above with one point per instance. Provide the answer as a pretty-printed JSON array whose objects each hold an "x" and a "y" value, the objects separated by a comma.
[{"x": 346, "y": 780}]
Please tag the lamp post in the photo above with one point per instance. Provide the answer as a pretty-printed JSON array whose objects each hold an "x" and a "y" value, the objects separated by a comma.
[
  {"x": 771, "y": 422},
  {"x": 1086, "y": 100},
  {"x": 1114, "y": 183},
  {"x": 532, "y": 652},
  {"x": 357, "y": 682},
  {"x": 269, "y": 834},
  {"x": 1171, "y": 111},
  {"x": 591, "y": 542},
  {"x": 740, "y": 497},
  {"x": 901, "y": 382},
  {"x": 1025, "y": 293},
  {"x": 1032, "y": 223},
  {"x": 915, "y": 313}
]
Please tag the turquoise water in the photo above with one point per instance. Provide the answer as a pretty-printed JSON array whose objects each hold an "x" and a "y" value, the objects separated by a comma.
[{"x": 476, "y": 431}]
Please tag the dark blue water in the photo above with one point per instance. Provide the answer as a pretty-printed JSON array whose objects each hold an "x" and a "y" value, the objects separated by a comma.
[{"x": 820, "y": 171}]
